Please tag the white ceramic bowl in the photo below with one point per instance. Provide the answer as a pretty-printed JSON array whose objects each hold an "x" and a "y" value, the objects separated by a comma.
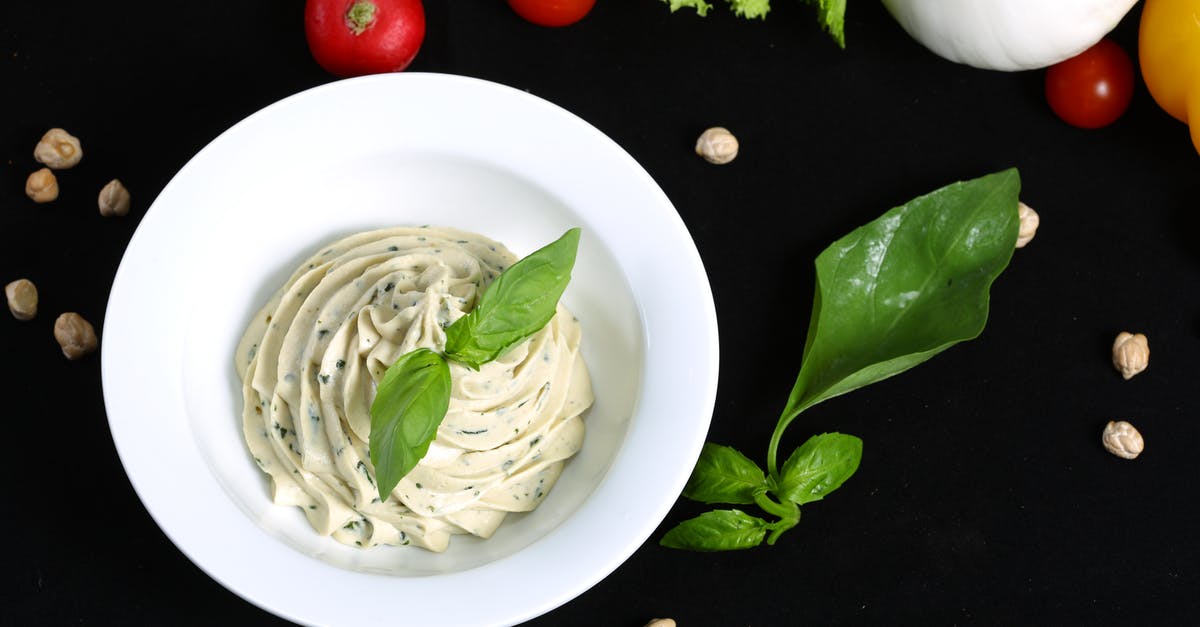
[{"x": 380, "y": 151}]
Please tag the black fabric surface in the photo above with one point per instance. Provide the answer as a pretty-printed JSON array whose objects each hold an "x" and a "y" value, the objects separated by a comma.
[{"x": 984, "y": 495}]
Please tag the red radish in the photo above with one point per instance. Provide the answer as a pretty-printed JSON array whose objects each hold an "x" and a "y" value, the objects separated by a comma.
[{"x": 356, "y": 37}]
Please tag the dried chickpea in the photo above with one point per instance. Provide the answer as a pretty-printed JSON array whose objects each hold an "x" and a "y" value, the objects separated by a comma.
[
  {"x": 114, "y": 199},
  {"x": 22, "y": 299},
  {"x": 717, "y": 145},
  {"x": 1130, "y": 354},
  {"x": 42, "y": 186},
  {"x": 1029, "y": 224},
  {"x": 58, "y": 149},
  {"x": 75, "y": 335},
  {"x": 1122, "y": 439}
]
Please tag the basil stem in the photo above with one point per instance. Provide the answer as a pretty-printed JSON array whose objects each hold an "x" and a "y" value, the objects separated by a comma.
[{"x": 889, "y": 295}]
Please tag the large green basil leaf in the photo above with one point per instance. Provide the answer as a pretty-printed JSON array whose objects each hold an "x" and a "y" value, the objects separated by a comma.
[
  {"x": 718, "y": 530},
  {"x": 819, "y": 466},
  {"x": 410, "y": 402},
  {"x": 724, "y": 475},
  {"x": 515, "y": 306},
  {"x": 906, "y": 286}
]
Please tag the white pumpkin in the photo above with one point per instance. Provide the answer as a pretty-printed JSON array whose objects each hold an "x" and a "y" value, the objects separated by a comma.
[{"x": 1008, "y": 35}]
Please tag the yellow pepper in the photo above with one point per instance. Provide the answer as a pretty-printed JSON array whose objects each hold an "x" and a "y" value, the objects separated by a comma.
[{"x": 1169, "y": 52}]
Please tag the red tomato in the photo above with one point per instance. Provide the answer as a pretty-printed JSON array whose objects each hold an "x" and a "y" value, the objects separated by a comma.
[
  {"x": 356, "y": 37},
  {"x": 552, "y": 12},
  {"x": 1092, "y": 89}
]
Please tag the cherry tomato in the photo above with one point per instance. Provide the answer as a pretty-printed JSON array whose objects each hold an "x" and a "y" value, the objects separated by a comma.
[
  {"x": 356, "y": 37},
  {"x": 552, "y": 12},
  {"x": 1092, "y": 89}
]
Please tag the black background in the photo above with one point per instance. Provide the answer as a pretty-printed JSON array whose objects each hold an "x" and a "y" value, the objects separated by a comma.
[{"x": 984, "y": 496}]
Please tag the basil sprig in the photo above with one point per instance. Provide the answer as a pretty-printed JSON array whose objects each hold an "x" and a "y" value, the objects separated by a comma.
[
  {"x": 412, "y": 398},
  {"x": 723, "y": 475},
  {"x": 890, "y": 295}
]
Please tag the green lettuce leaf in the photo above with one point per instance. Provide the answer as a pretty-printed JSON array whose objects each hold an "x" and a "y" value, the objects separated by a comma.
[
  {"x": 832, "y": 16},
  {"x": 750, "y": 9},
  {"x": 700, "y": 6}
]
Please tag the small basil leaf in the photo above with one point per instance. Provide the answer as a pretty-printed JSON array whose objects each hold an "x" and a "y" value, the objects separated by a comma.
[
  {"x": 819, "y": 466},
  {"x": 718, "y": 530},
  {"x": 410, "y": 402},
  {"x": 514, "y": 306},
  {"x": 723, "y": 475}
]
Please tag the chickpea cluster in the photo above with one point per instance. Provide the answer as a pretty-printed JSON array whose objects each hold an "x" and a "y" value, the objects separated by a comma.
[
  {"x": 74, "y": 334},
  {"x": 1130, "y": 356},
  {"x": 59, "y": 150}
]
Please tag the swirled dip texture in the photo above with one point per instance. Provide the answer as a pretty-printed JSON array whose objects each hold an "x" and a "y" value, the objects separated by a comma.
[{"x": 312, "y": 357}]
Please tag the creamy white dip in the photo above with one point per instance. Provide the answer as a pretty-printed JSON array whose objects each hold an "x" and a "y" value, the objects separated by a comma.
[{"x": 311, "y": 359}]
